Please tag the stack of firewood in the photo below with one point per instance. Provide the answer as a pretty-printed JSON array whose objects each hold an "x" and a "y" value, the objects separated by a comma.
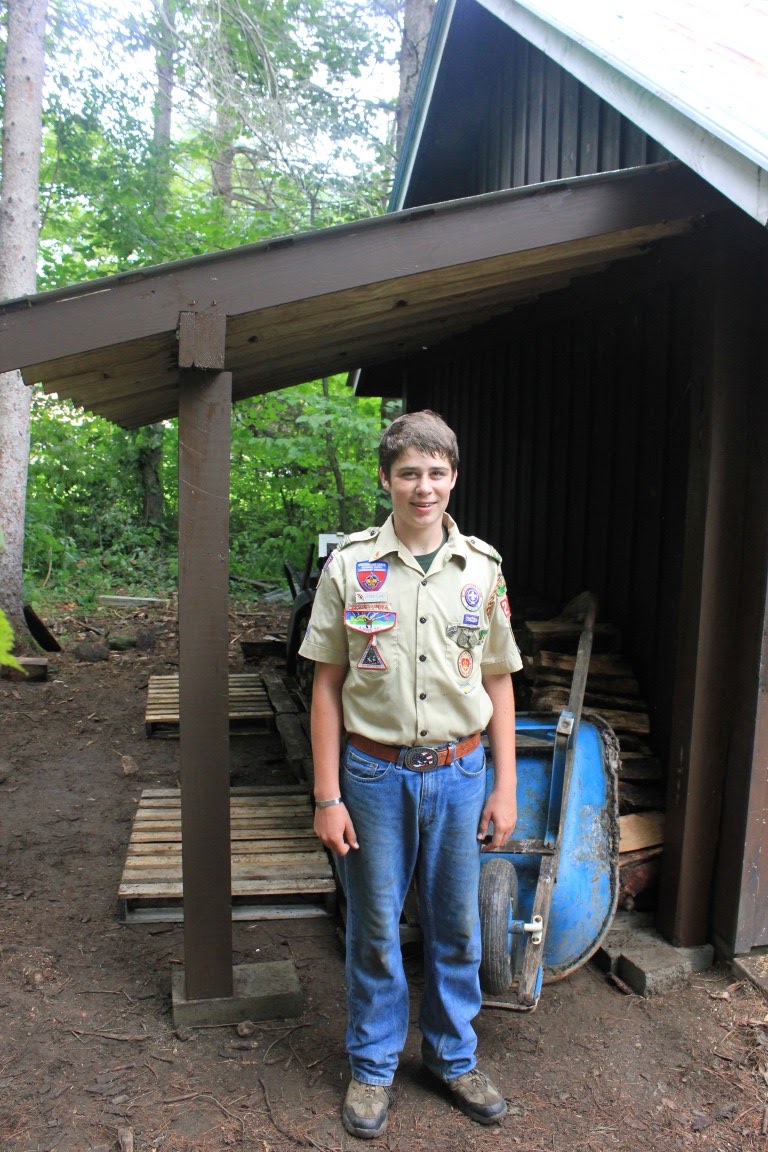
[{"x": 613, "y": 693}]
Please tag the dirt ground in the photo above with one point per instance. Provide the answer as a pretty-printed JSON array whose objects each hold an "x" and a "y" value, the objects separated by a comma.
[{"x": 90, "y": 1058}]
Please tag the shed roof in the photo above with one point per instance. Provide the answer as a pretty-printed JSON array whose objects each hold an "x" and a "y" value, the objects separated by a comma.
[
  {"x": 353, "y": 296},
  {"x": 691, "y": 73}
]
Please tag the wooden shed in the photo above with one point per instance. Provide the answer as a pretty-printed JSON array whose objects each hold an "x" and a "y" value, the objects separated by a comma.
[
  {"x": 574, "y": 274},
  {"x": 614, "y": 428}
]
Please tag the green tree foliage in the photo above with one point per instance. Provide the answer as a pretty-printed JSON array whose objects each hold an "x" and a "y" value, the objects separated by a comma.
[
  {"x": 85, "y": 523},
  {"x": 303, "y": 462},
  {"x": 269, "y": 136}
]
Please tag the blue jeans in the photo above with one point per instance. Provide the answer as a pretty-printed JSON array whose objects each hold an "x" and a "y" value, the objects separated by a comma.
[{"x": 424, "y": 823}]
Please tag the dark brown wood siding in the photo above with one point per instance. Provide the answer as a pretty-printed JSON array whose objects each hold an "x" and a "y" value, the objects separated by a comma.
[
  {"x": 504, "y": 115},
  {"x": 573, "y": 421},
  {"x": 613, "y": 438}
]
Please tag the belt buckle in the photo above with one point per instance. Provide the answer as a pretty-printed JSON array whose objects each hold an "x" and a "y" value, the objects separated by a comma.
[{"x": 421, "y": 759}]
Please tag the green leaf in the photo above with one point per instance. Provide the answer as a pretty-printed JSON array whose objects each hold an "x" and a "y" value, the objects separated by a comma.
[{"x": 6, "y": 644}]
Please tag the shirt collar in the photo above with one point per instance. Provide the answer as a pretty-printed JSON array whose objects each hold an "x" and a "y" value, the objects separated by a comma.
[{"x": 387, "y": 540}]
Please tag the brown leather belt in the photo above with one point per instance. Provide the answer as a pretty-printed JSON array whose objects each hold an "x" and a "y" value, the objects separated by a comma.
[{"x": 421, "y": 758}]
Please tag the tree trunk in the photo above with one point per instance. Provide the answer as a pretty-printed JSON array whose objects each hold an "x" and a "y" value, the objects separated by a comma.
[
  {"x": 338, "y": 476},
  {"x": 150, "y": 466},
  {"x": 165, "y": 58},
  {"x": 150, "y": 440},
  {"x": 222, "y": 165},
  {"x": 417, "y": 21},
  {"x": 19, "y": 232}
]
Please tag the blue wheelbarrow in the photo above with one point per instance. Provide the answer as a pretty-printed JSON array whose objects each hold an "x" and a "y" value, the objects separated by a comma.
[{"x": 547, "y": 898}]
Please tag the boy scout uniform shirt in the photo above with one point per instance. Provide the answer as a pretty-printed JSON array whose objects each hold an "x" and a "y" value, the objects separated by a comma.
[{"x": 417, "y": 645}]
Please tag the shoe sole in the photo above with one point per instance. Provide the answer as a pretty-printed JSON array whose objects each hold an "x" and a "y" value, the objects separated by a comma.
[
  {"x": 363, "y": 1133},
  {"x": 478, "y": 1117}
]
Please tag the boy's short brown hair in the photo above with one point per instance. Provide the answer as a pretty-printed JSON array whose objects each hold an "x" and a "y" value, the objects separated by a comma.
[{"x": 425, "y": 431}]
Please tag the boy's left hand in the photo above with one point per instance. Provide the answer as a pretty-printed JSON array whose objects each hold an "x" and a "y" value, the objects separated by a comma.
[{"x": 501, "y": 810}]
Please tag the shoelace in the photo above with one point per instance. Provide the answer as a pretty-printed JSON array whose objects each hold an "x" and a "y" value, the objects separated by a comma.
[{"x": 477, "y": 1079}]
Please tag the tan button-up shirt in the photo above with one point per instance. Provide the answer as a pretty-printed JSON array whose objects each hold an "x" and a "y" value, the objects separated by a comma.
[{"x": 417, "y": 645}]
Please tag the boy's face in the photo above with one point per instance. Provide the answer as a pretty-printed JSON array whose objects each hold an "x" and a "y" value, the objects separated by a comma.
[{"x": 420, "y": 487}]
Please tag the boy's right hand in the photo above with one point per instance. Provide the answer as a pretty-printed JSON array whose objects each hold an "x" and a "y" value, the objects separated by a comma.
[{"x": 334, "y": 827}]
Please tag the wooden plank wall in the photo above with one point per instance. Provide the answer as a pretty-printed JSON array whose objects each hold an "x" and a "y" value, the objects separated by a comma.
[
  {"x": 573, "y": 422},
  {"x": 504, "y": 115},
  {"x": 543, "y": 124}
]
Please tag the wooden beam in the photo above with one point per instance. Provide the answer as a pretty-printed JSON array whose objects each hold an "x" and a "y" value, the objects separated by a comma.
[
  {"x": 141, "y": 304},
  {"x": 205, "y": 401}
]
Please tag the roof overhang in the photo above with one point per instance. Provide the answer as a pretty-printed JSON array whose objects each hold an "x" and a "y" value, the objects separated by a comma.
[{"x": 353, "y": 296}]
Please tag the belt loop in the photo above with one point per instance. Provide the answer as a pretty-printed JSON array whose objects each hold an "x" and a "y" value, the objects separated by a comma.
[
  {"x": 401, "y": 757},
  {"x": 451, "y": 754}
]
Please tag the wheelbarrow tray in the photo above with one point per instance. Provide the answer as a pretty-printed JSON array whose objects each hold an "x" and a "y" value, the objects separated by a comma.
[{"x": 585, "y": 891}]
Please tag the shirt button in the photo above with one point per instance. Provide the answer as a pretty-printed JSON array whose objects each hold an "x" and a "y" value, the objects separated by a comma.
[
  {"x": 423, "y": 583},
  {"x": 422, "y": 619},
  {"x": 422, "y": 658},
  {"x": 422, "y": 696},
  {"x": 423, "y": 732}
]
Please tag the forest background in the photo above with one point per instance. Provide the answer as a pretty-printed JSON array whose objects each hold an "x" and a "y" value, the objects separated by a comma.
[{"x": 173, "y": 128}]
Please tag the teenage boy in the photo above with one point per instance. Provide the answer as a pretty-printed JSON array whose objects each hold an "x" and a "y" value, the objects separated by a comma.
[{"x": 413, "y": 647}]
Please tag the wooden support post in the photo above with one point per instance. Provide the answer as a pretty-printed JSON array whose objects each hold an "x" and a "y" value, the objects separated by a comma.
[
  {"x": 708, "y": 654},
  {"x": 205, "y": 407},
  {"x": 210, "y": 990}
]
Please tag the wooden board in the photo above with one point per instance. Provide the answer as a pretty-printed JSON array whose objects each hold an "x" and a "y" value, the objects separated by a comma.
[
  {"x": 640, "y": 830},
  {"x": 249, "y": 707},
  {"x": 277, "y": 861}
]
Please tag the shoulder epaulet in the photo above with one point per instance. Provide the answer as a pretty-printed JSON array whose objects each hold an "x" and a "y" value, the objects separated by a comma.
[
  {"x": 482, "y": 546},
  {"x": 358, "y": 537}
]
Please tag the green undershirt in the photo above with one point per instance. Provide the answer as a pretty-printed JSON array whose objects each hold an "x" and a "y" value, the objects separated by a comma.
[{"x": 424, "y": 562}]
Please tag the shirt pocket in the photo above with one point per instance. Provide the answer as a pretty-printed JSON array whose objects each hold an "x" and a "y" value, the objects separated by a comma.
[{"x": 464, "y": 651}]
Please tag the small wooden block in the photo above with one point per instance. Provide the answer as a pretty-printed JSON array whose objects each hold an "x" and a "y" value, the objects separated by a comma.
[{"x": 34, "y": 668}]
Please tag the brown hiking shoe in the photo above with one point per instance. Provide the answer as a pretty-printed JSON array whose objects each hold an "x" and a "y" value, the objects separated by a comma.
[
  {"x": 365, "y": 1109},
  {"x": 475, "y": 1095}
]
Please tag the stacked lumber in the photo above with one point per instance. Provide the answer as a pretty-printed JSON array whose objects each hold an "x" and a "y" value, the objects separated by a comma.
[{"x": 613, "y": 693}]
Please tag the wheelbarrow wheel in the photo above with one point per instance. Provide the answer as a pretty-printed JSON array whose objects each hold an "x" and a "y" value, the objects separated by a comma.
[{"x": 498, "y": 904}]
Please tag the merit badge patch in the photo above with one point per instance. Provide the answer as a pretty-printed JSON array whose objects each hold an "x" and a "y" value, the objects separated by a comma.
[
  {"x": 471, "y": 597},
  {"x": 371, "y": 574},
  {"x": 370, "y": 620},
  {"x": 371, "y": 659},
  {"x": 471, "y": 618},
  {"x": 465, "y": 664}
]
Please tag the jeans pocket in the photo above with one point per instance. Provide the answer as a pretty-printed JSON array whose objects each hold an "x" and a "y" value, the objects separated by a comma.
[
  {"x": 474, "y": 763},
  {"x": 360, "y": 766}
]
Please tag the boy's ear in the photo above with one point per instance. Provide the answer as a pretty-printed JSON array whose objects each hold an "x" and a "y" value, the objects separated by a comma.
[{"x": 383, "y": 479}]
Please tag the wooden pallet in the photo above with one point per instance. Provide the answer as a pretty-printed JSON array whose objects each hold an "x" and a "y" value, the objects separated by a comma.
[
  {"x": 249, "y": 707},
  {"x": 279, "y": 869}
]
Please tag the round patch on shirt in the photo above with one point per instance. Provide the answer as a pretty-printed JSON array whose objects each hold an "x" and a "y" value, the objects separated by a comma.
[
  {"x": 471, "y": 597},
  {"x": 465, "y": 664}
]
